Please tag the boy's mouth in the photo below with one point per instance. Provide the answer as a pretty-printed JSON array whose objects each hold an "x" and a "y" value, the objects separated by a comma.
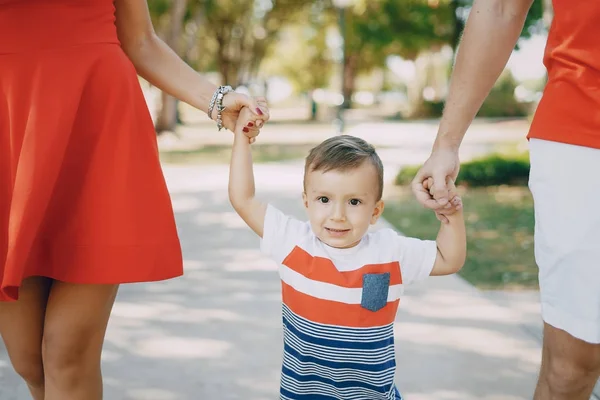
[{"x": 337, "y": 232}]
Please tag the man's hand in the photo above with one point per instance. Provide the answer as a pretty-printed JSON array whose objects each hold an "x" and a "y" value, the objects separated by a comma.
[
  {"x": 431, "y": 185},
  {"x": 453, "y": 205}
]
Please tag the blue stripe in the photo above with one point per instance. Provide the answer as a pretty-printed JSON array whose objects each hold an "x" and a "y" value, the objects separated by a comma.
[
  {"x": 341, "y": 364},
  {"x": 340, "y": 385},
  {"x": 339, "y": 344},
  {"x": 334, "y": 329},
  {"x": 294, "y": 396}
]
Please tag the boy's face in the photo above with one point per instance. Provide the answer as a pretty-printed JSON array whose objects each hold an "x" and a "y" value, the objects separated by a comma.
[{"x": 342, "y": 204}]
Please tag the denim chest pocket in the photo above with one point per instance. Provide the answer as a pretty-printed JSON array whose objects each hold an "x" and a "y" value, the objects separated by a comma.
[{"x": 375, "y": 291}]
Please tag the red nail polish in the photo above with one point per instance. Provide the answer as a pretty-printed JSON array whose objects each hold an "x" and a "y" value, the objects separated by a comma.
[
  {"x": 246, "y": 130},
  {"x": 259, "y": 111},
  {"x": 250, "y": 124}
]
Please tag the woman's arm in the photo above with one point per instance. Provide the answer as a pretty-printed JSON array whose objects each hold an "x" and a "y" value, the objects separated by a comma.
[
  {"x": 156, "y": 62},
  {"x": 490, "y": 35}
]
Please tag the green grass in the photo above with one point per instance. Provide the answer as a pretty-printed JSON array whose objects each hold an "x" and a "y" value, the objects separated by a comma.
[
  {"x": 500, "y": 225},
  {"x": 219, "y": 154}
]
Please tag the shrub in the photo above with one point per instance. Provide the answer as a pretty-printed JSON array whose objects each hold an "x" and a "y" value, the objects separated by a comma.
[
  {"x": 491, "y": 170},
  {"x": 406, "y": 175},
  {"x": 428, "y": 109},
  {"x": 495, "y": 170}
]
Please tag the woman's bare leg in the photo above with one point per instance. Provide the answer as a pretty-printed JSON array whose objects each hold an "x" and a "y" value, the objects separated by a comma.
[
  {"x": 74, "y": 329},
  {"x": 22, "y": 327}
]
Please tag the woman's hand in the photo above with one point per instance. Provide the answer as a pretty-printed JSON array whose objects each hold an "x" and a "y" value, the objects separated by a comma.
[{"x": 233, "y": 103}]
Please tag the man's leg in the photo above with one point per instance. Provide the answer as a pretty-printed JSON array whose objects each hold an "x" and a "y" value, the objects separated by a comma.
[
  {"x": 565, "y": 187},
  {"x": 570, "y": 367}
]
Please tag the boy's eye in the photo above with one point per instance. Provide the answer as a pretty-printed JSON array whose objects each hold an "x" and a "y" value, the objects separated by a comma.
[
  {"x": 355, "y": 202},
  {"x": 323, "y": 199}
]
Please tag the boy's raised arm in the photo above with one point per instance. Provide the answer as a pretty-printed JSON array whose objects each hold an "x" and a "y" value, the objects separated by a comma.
[
  {"x": 451, "y": 239},
  {"x": 451, "y": 246},
  {"x": 241, "y": 178}
]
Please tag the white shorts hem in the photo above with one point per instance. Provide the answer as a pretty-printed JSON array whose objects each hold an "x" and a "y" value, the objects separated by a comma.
[{"x": 588, "y": 331}]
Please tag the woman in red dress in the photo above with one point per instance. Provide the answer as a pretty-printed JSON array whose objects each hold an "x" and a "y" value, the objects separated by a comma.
[{"x": 83, "y": 202}]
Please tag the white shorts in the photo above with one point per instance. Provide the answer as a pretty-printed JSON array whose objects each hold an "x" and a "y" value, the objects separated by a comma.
[{"x": 565, "y": 183}]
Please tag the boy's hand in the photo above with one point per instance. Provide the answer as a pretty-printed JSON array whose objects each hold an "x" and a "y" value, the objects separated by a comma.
[
  {"x": 453, "y": 205},
  {"x": 248, "y": 124}
]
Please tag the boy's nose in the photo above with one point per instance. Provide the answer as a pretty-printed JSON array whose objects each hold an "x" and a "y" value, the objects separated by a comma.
[{"x": 339, "y": 213}]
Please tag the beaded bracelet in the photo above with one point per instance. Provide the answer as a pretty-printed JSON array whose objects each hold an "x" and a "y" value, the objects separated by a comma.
[{"x": 217, "y": 100}]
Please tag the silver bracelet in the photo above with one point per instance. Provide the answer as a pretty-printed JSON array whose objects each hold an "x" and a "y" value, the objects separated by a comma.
[
  {"x": 211, "y": 105},
  {"x": 217, "y": 100}
]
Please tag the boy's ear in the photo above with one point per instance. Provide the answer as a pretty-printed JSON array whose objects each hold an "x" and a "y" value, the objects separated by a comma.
[
  {"x": 305, "y": 199},
  {"x": 379, "y": 206}
]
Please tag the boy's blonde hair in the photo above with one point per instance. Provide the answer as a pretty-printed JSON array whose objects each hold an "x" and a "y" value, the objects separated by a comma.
[{"x": 344, "y": 153}]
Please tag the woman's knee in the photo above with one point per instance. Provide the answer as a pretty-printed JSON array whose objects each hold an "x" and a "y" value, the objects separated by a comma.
[
  {"x": 22, "y": 326},
  {"x": 73, "y": 336},
  {"x": 29, "y": 366},
  {"x": 67, "y": 356}
]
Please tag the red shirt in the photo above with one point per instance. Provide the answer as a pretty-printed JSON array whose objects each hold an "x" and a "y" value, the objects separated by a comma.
[{"x": 569, "y": 111}]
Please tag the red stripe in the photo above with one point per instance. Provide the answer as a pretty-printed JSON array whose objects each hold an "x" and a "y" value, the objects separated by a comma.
[
  {"x": 323, "y": 270},
  {"x": 336, "y": 313}
]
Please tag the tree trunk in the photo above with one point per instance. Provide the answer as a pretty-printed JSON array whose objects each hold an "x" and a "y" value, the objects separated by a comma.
[
  {"x": 228, "y": 71},
  {"x": 167, "y": 116},
  {"x": 349, "y": 79},
  {"x": 548, "y": 13},
  {"x": 458, "y": 25},
  {"x": 547, "y": 16},
  {"x": 227, "y": 61}
]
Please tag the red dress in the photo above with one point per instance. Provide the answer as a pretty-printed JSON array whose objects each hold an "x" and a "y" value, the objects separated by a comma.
[{"x": 82, "y": 194}]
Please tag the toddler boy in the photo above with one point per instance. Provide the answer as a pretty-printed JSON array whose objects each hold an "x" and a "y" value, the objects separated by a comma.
[{"x": 341, "y": 284}]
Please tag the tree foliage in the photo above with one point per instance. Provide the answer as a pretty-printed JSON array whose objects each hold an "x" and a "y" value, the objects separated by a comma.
[
  {"x": 234, "y": 37},
  {"x": 533, "y": 23},
  {"x": 243, "y": 32},
  {"x": 376, "y": 29},
  {"x": 302, "y": 53}
]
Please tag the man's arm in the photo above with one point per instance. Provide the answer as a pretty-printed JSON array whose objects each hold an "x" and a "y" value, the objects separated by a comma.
[
  {"x": 241, "y": 178},
  {"x": 490, "y": 35}
]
